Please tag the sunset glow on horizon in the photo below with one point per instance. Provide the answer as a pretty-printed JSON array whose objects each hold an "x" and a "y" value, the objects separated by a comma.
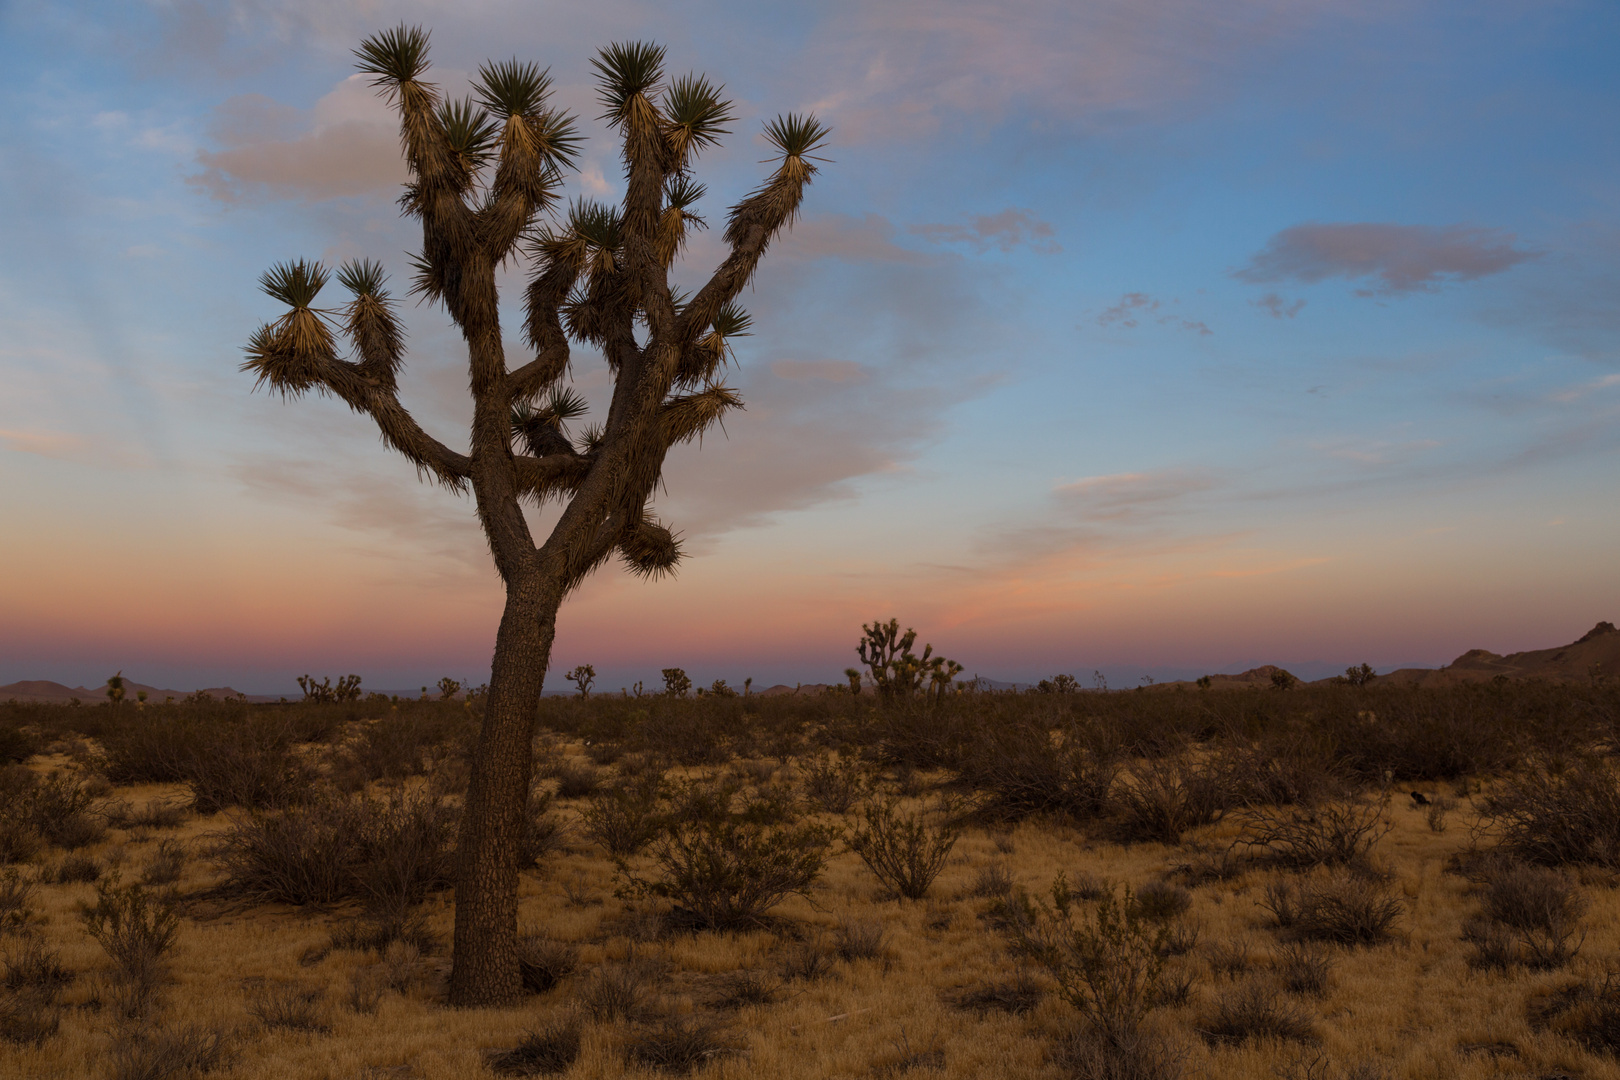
[{"x": 1152, "y": 338}]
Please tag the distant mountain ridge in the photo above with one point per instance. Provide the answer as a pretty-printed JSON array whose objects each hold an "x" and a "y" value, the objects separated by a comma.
[{"x": 45, "y": 692}]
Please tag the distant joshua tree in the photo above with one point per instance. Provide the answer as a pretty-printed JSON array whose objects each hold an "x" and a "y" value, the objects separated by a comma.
[
  {"x": 485, "y": 177},
  {"x": 582, "y": 677}
]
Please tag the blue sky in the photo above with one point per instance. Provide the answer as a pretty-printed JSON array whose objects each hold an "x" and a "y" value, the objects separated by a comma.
[{"x": 1155, "y": 337}]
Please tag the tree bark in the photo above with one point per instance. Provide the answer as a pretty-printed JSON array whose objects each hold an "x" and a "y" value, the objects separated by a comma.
[{"x": 485, "y": 969}]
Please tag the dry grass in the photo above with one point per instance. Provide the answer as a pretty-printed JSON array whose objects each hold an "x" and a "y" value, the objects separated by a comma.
[{"x": 807, "y": 994}]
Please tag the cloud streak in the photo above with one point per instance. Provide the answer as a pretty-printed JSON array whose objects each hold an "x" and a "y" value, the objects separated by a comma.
[{"x": 1400, "y": 258}]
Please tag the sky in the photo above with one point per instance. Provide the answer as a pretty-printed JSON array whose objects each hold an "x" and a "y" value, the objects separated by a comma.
[{"x": 1146, "y": 337}]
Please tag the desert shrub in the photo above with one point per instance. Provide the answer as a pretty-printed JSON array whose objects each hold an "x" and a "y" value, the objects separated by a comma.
[
  {"x": 1026, "y": 768},
  {"x": 16, "y": 745},
  {"x": 901, "y": 850},
  {"x": 724, "y": 872},
  {"x": 604, "y": 751},
  {"x": 991, "y": 882},
  {"x": 1163, "y": 798},
  {"x": 543, "y": 962},
  {"x": 834, "y": 786},
  {"x": 32, "y": 981},
  {"x": 678, "y": 1044},
  {"x": 806, "y": 961},
  {"x": 403, "y": 743},
  {"x": 1017, "y": 996},
  {"x": 33, "y": 966},
  {"x": 1229, "y": 958},
  {"x": 1302, "y": 837},
  {"x": 252, "y": 765},
  {"x": 239, "y": 760},
  {"x": 289, "y": 1007},
  {"x": 77, "y": 868},
  {"x": 1086, "y": 1054},
  {"x": 545, "y": 1052},
  {"x": 1304, "y": 970},
  {"x": 59, "y": 808},
  {"x": 1529, "y": 915},
  {"x": 1341, "y": 907},
  {"x": 133, "y": 927},
  {"x": 1557, "y": 817},
  {"x": 624, "y": 818},
  {"x": 1162, "y": 901},
  {"x": 859, "y": 940},
  {"x": 166, "y": 864},
  {"x": 389, "y": 852},
  {"x": 743, "y": 989},
  {"x": 366, "y": 989},
  {"x": 142, "y": 1052},
  {"x": 615, "y": 993},
  {"x": 15, "y": 892},
  {"x": 1531, "y": 897},
  {"x": 157, "y": 814},
  {"x": 1585, "y": 1012},
  {"x": 301, "y": 855},
  {"x": 1106, "y": 964},
  {"x": 1255, "y": 1012}
]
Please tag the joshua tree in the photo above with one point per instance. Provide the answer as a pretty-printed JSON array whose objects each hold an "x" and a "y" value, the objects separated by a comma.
[
  {"x": 582, "y": 677},
  {"x": 485, "y": 177}
]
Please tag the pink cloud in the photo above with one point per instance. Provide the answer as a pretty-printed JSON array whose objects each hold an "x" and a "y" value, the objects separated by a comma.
[
  {"x": 347, "y": 145},
  {"x": 1003, "y": 231},
  {"x": 836, "y": 371},
  {"x": 1403, "y": 258}
]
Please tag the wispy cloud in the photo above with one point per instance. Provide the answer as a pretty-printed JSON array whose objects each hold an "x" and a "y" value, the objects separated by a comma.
[
  {"x": 1278, "y": 307},
  {"x": 1575, "y": 393},
  {"x": 1005, "y": 231},
  {"x": 1129, "y": 311},
  {"x": 347, "y": 145},
  {"x": 1402, "y": 258}
]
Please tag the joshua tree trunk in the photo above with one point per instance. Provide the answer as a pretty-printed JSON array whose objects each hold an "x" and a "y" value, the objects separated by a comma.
[
  {"x": 484, "y": 172},
  {"x": 497, "y": 797}
]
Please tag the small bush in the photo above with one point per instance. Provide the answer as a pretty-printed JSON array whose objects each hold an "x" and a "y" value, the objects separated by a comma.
[
  {"x": 1162, "y": 901},
  {"x": 624, "y": 818},
  {"x": 365, "y": 994},
  {"x": 1166, "y": 797},
  {"x": 15, "y": 892},
  {"x": 1229, "y": 958},
  {"x": 615, "y": 993},
  {"x": 145, "y": 1053},
  {"x": 387, "y": 852},
  {"x": 678, "y": 1044},
  {"x": 1255, "y": 1012},
  {"x": 134, "y": 928},
  {"x": 901, "y": 850},
  {"x": 1559, "y": 817},
  {"x": 834, "y": 786},
  {"x": 992, "y": 882},
  {"x": 288, "y": 1007},
  {"x": 1333, "y": 834},
  {"x": 543, "y": 963},
  {"x": 807, "y": 961},
  {"x": 545, "y": 1052},
  {"x": 1019, "y": 996},
  {"x": 854, "y": 940},
  {"x": 158, "y": 814},
  {"x": 726, "y": 873},
  {"x": 166, "y": 864},
  {"x": 76, "y": 869},
  {"x": 1140, "y": 1055},
  {"x": 1304, "y": 970},
  {"x": 743, "y": 989},
  {"x": 577, "y": 781},
  {"x": 1587, "y": 1013},
  {"x": 1107, "y": 964},
  {"x": 1532, "y": 897},
  {"x": 1025, "y": 770},
  {"x": 1341, "y": 907}
]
